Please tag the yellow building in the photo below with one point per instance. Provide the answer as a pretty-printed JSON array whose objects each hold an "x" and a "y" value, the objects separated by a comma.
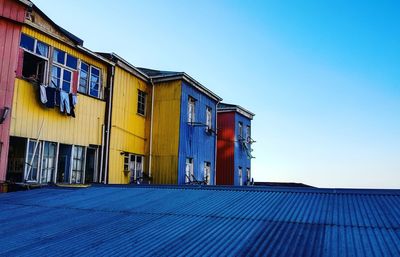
[
  {"x": 58, "y": 114},
  {"x": 130, "y": 123}
]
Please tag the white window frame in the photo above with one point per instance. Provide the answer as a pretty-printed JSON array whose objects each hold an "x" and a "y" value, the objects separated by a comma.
[
  {"x": 248, "y": 175},
  {"x": 45, "y": 58},
  {"x": 191, "y": 109},
  {"x": 207, "y": 172},
  {"x": 240, "y": 176},
  {"x": 208, "y": 118},
  {"x": 240, "y": 130},
  {"x": 90, "y": 81},
  {"x": 87, "y": 78},
  {"x": 144, "y": 96},
  {"x": 62, "y": 76},
  {"x": 189, "y": 170}
]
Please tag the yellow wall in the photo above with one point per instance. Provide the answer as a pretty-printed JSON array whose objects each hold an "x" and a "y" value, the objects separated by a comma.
[
  {"x": 167, "y": 100},
  {"x": 129, "y": 131},
  {"x": 28, "y": 114}
]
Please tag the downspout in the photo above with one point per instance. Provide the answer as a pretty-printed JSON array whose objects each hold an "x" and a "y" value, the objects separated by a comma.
[
  {"x": 151, "y": 126},
  {"x": 216, "y": 143},
  {"x": 108, "y": 129}
]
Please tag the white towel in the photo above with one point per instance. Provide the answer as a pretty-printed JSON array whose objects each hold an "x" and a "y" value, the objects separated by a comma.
[{"x": 43, "y": 96}]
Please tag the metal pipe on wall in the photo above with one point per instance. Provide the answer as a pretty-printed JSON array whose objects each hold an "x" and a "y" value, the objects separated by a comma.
[{"x": 151, "y": 126}]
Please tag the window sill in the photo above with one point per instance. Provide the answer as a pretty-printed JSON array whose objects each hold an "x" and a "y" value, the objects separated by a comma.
[{"x": 141, "y": 115}]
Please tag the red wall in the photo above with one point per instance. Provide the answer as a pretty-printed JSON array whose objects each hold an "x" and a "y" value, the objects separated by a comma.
[
  {"x": 225, "y": 148},
  {"x": 11, "y": 15}
]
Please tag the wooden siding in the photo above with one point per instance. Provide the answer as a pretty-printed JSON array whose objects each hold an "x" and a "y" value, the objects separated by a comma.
[
  {"x": 12, "y": 10},
  {"x": 194, "y": 141},
  {"x": 225, "y": 149},
  {"x": 130, "y": 130},
  {"x": 241, "y": 157},
  {"x": 9, "y": 41},
  {"x": 28, "y": 115},
  {"x": 167, "y": 111}
]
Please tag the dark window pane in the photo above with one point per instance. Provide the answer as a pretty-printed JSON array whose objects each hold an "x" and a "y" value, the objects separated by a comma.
[
  {"x": 84, "y": 67},
  {"x": 72, "y": 62},
  {"x": 95, "y": 71},
  {"x": 59, "y": 56},
  {"x": 27, "y": 42}
]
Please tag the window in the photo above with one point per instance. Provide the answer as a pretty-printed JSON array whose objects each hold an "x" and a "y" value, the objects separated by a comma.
[
  {"x": 207, "y": 173},
  {"x": 89, "y": 80},
  {"x": 240, "y": 130},
  {"x": 240, "y": 176},
  {"x": 65, "y": 59},
  {"x": 248, "y": 176},
  {"x": 32, "y": 163},
  {"x": 134, "y": 164},
  {"x": 248, "y": 135},
  {"x": 83, "y": 78},
  {"x": 34, "y": 59},
  {"x": 94, "y": 81},
  {"x": 61, "y": 78},
  {"x": 77, "y": 165},
  {"x": 189, "y": 170},
  {"x": 141, "y": 106},
  {"x": 191, "y": 112},
  {"x": 48, "y": 162},
  {"x": 61, "y": 71},
  {"x": 209, "y": 118}
]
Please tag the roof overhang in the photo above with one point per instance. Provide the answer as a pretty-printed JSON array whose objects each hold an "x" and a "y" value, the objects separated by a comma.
[
  {"x": 185, "y": 77},
  {"x": 236, "y": 108}
]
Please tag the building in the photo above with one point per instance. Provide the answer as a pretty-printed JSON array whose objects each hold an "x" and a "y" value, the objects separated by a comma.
[
  {"x": 130, "y": 119},
  {"x": 12, "y": 16},
  {"x": 58, "y": 113},
  {"x": 234, "y": 152},
  {"x": 183, "y": 142},
  {"x": 200, "y": 221}
]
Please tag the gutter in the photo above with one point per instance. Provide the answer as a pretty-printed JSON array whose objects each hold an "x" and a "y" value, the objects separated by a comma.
[
  {"x": 108, "y": 128},
  {"x": 216, "y": 144}
]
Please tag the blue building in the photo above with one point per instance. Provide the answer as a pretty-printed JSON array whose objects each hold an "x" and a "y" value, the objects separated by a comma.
[
  {"x": 234, "y": 145},
  {"x": 183, "y": 133}
]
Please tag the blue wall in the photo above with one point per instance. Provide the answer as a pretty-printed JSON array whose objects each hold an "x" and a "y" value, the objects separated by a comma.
[
  {"x": 194, "y": 141},
  {"x": 241, "y": 157}
]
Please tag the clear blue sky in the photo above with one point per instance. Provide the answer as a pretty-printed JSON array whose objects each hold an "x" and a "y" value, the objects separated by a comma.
[{"x": 321, "y": 76}]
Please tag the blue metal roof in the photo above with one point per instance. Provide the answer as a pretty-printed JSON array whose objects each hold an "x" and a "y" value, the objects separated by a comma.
[{"x": 200, "y": 221}]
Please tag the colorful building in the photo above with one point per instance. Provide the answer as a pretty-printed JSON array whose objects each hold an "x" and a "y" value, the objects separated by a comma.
[
  {"x": 12, "y": 16},
  {"x": 234, "y": 145},
  {"x": 58, "y": 113},
  {"x": 183, "y": 142},
  {"x": 130, "y": 123}
]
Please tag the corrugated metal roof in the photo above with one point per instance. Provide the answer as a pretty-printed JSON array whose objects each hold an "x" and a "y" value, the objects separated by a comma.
[{"x": 205, "y": 221}]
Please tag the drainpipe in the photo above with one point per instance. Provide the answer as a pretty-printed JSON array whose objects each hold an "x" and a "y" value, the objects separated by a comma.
[
  {"x": 216, "y": 143},
  {"x": 108, "y": 129},
  {"x": 101, "y": 155},
  {"x": 151, "y": 126}
]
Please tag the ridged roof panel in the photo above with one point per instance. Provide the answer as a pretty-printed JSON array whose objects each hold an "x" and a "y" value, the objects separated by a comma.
[{"x": 188, "y": 221}]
